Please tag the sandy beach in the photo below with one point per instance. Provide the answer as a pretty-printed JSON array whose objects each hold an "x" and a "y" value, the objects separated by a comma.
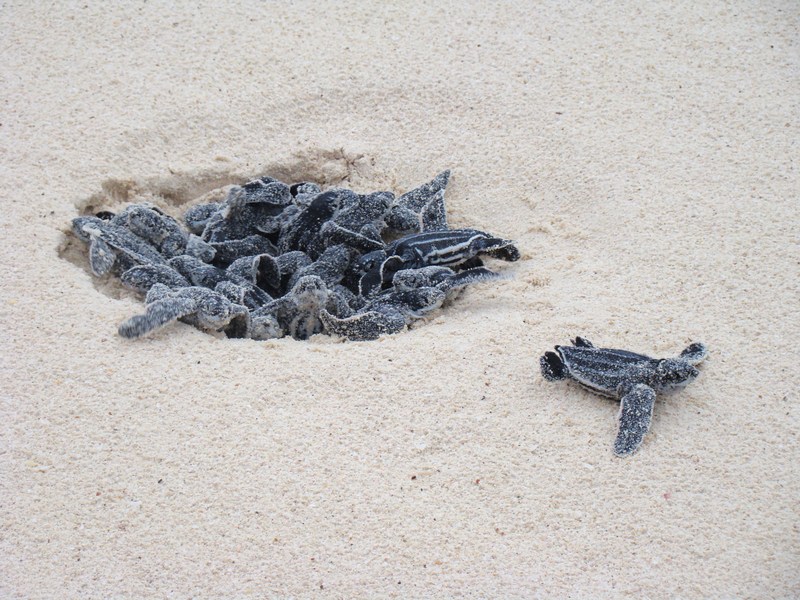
[{"x": 645, "y": 161}]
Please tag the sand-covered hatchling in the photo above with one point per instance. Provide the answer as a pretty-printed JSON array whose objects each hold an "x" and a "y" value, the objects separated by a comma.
[
  {"x": 634, "y": 379},
  {"x": 198, "y": 306},
  {"x": 387, "y": 313},
  {"x": 114, "y": 247}
]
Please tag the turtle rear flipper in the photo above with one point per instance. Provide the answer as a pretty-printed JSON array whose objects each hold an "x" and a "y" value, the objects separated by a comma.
[
  {"x": 694, "y": 353},
  {"x": 553, "y": 368},
  {"x": 635, "y": 414}
]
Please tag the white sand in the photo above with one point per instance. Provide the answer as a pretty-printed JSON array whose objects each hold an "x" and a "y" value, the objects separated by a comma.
[{"x": 644, "y": 158}]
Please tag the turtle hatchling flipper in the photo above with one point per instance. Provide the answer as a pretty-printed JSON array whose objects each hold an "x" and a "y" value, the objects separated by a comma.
[
  {"x": 433, "y": 216},
  {"x": 635, "y": 414},
  {"x": 239, "y": 325},
  {"x": 197, "y": 217},
  {"x": 195, "y": 246},
  {"x": 421, "y": 209},
  {"x": 265, "y": 327},
  {"x": 101, "y": 256},
  {"x": 581, "y": 342},
  {"x": 143, "y": 277},
  {"x": 371, "y": 282},
  {"x": 470, "y": 276},
  {"x": 363, "y": 326},
  {"x": 333, "y": 233},
  {"x": 553, "y": 367},
  {"x": 694, "y": 353},
  {"x": 228, "y": 252},
  {"x": 418, "y": 198},
  {"x": 159, "y": 314}
]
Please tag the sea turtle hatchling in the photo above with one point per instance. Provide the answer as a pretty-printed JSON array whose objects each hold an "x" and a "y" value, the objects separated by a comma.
[
  {"x": 454, "y": 248},
  {"x": 632, "y": 378},
  {"x": 298, "y": 312},
  {"x": 198, "y": 306},
  {"x": 113, "y": 246},
  {"x": 415, "y": 293},
  {"x": 388, "y": 313}
]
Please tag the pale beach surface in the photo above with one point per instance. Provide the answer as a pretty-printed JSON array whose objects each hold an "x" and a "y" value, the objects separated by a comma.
[{"x": 644, "y": 156}]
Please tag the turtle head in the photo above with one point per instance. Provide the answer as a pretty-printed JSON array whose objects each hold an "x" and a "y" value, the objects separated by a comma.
[
  {"x": 310, "y": 293},
  {"x": 309, "y": 284},
  {"x": 324, "y": 205},
  {"x": 694, "y": 353},
  {"x": 368, "y": 270},
  {"x": 369, "y": 261},
  {"x": 674, "y": 373}
]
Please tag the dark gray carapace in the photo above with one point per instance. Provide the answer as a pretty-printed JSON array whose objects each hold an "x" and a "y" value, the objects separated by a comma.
[{"x": 632, "y": 378}]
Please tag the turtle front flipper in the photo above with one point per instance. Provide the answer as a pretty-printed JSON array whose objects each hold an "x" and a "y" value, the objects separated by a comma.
[
  {"x": 694, "y": 353},
  {"x": 553, "y": 367},
  {"x": 468, "y": 277},
  {"x": 364, "y": 326},
  {"x": 581, "y": 342},
  {"x": 239, "y": 325},
  {"x": 332, "y": 233},
  {"x": 158, "y": 314},
  {"x": 635, "y": 414},
  {"x": 228, "y": 252},
  {"x": 143, "y": 277},
  {"x": 433, "y": 216},
  {"x": 101, "y": 256},
  {"x": 421, "y": 209},
  {"x": 197, "y": 247},
  {"x": 372, "y": 281}
]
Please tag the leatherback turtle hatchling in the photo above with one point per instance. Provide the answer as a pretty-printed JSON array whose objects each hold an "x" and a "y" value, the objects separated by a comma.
[
  {"x": 113, "y": 246},
  {"x": 449, "y": 248},
  {"x": 198, "y": 306},
  {"x": 632, "y": 378},
  {"x": 388, "y": 313}
]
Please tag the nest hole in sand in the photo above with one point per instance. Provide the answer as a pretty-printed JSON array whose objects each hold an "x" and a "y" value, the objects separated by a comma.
[{"x": 294, "y": 252}]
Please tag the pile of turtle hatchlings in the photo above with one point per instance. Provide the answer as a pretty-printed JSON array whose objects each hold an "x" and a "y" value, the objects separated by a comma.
[{"x": 274, "y": 259}]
